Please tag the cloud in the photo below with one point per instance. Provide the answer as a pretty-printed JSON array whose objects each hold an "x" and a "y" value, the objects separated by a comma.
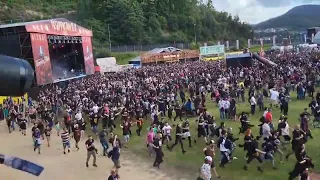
[
  {"x": 273, "y": 3},
  {"x": 255, "y": 11}
]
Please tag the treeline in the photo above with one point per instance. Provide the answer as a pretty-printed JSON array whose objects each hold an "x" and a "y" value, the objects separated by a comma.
[
  {"x": 136, "y": 21},
  {"x": 159, "y": 21}
]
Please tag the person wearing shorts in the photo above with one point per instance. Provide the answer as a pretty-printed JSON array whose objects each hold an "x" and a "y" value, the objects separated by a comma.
[
  {"x": 115, "y": 153},
  {"x": 65, "y": 140},
  {"x": 126, "y": 132}
]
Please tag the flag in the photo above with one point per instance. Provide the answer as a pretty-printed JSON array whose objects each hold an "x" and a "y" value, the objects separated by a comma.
[
  {"x": 237, "y": 44},
  {"x": 274, "y": 40},
  {"x": 261, "y": 42}
]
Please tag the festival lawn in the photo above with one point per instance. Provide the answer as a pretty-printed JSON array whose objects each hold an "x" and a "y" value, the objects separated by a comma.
[{"x": 189, "y": 163}]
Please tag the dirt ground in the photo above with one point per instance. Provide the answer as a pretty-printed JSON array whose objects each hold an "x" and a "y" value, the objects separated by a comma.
[
  {"x": 314, "y": 176},
  {"x": 70, "y": 166}
]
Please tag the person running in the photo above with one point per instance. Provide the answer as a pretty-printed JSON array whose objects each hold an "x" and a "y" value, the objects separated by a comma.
[
  {"x": 77, "y": 135},
  {"x": 47, "y": 133},
  {"x": 253, "y": 153},
  {"x": 186, "y": 131},
  {"x": 36, "y": 135},
  {"x": 65, "y": 140},
  {"x": 115, "y": 152},
  {"x": 201, "y": 130},
  {"x": 298, "y": 139},
  {"x": 158, "y": 151},
  {"x": 284, "y": 131},
  {"x": 209, "y": 151},
  {"x": 91, "y": 151},
  {"x": 269, "y": 148},
  {"x": 139, "y": 123},
  {"x": 126, "y": 131},
  {"x": 205, "y": 170},
  {"x": 178, "y": 139},
  {"x": 23, "y": 126},
  {"x": 103, "y": 141},
  {"x": 166, "y": 130},
  {"x": 32, "y": 114},
  {"x": 9, "y": 123}
]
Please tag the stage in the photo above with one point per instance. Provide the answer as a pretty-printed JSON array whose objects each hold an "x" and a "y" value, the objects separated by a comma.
[{"x": 52, "y": 47}]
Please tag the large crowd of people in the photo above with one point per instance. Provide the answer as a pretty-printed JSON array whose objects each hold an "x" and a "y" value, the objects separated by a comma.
[{"x": 164, "y": 97}]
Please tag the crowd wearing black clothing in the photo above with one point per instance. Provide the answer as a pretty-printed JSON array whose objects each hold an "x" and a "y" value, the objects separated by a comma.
[{"x": 176, "y": 91}]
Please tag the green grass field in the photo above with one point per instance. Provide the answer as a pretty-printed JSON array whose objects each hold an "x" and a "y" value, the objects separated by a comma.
[
  {"x": 257, "y": 48},
  {"x": 190, "y": 162}
]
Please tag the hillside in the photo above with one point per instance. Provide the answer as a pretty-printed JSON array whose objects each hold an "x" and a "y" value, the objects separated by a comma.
[
  {"x": 298, "y": 18},
  {"x": 135, "y": 21}
]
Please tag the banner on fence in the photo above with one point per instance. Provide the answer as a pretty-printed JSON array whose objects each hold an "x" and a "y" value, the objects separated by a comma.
[{"x": 211, "y": 50}]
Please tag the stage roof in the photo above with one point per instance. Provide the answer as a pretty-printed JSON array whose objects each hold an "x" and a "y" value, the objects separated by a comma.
[{"x": 59, "y": 26}]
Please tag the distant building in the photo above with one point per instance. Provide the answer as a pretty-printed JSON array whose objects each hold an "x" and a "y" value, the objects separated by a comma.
[{"x": 310, "y": 31}]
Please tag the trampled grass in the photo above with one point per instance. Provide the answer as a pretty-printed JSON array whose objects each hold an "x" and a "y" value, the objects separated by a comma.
[
  {"x": 188, "y": 165},
  {"x": 192, "y": 160}
]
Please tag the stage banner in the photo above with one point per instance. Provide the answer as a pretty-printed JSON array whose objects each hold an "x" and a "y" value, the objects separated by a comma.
[
  {"x": 88, "y": 55},
  {"x": 41, "y": 58},
  {"x": 212, "y": 50},
  {"x": 59, "y": 26}
]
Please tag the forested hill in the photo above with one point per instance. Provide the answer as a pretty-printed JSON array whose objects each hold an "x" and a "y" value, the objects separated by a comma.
[
  {"x": 298, "y": 18},
  {"x": 136, "y": 21}
]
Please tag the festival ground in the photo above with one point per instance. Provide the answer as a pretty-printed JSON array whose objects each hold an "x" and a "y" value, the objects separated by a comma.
[
  {"x": 70, "y": 166},
  {"x": 192, "y": 160}
]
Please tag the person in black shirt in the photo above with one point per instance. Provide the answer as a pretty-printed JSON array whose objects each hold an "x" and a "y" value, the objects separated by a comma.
[
  {"x": 201, "y": 130},
  {"x": 313, "y": 104},
  {"x": 158, "y": 151},
  {"x": 91, "y": 151},
  {"x": 253, "y": 153},
  {"x": 114, "y": 175},
  {"x": 41, "y": 128},
  {"x": 305, "y": 113},
  {"x": 245, "y": 123},
  {"x": 94, "y": 123},
  {"x": 178, "y": 139},
  {"x": 316, "y": 122},
  {"x": 233, "y": 109},
  {"x": 126, "y": 131},
  {"x": 23, "y": 126},
  {"x": 268, "y": 147},
  {"x": 186, "y": 131},
  {"x": 177, "y": 109},
  {"x": 298, "y": 139}
]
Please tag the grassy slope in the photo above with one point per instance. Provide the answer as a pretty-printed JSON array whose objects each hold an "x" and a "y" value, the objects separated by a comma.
[
  {"x": 191, "y": 161},
  {"x": 123, "y": 57}
]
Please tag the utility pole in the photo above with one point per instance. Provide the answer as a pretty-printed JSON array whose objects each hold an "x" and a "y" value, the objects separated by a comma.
[
  {"x": 109, "y": 38},
  {"x": 195, "y": 33}
]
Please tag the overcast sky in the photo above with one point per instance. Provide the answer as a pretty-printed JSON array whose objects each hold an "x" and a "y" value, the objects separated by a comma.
[{"x": 255, "y": 11}]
